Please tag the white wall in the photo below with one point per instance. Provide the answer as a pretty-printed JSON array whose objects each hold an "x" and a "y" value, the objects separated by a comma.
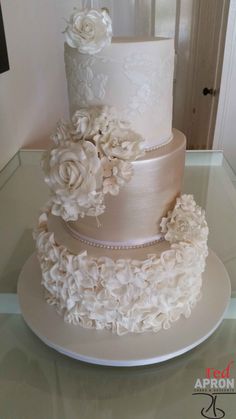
[
  {"x": 225, "y": 131},
  {"x": 33, "y": 93}
]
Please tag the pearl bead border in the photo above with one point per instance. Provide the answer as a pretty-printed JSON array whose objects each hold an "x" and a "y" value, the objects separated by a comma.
[{"x": 101, "y": 245}]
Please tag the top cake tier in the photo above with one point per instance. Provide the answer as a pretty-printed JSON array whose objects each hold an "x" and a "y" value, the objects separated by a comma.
[{"x": 134, "y": 76}]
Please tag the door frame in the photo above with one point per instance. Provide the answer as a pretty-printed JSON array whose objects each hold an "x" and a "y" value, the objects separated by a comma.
[
  {"x": 226, "y": 84},
  {"x": 193, "y": 65}
]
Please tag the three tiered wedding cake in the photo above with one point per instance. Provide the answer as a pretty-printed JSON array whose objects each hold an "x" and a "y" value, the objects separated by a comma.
[{"x": 119, "y": 248}]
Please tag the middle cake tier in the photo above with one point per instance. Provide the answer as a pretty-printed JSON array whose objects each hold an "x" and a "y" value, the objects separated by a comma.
[{"x": 132, "y": 218}]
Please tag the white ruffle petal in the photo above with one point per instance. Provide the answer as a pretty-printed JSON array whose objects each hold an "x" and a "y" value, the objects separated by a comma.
[{"x": 128, "y": 295}]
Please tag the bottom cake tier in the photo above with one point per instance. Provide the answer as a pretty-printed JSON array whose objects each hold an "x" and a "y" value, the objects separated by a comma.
[{"x": 142, "y": 289}]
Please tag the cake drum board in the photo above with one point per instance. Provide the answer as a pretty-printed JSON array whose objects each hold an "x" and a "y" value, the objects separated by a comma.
[{"x": 105, "y": 348}]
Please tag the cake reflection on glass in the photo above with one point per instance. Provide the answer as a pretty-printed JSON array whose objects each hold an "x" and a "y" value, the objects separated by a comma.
[{"x": 119, "y": 247}]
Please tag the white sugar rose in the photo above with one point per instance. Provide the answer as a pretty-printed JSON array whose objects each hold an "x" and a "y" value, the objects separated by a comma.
[
  {"x": 105, "y": 118},
  {"x": 74, "y": 175},
  {"x": 81, "y": 121},
  {"x": 120, "y": 143},
  {"x": 62, "y": 133},
  {"x": 89, "y": 31},
  {"x": 89, "y": 122}
]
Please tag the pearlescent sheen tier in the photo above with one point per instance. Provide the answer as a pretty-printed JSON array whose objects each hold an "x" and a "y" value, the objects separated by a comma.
[
  {"x": 134, "y": 76},
  {"x": 132, "y": 218}
]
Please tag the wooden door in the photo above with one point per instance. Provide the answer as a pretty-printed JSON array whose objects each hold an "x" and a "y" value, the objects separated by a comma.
[
  {"x": 225, "y": 133},
  {"x": 205, "y": 66}
]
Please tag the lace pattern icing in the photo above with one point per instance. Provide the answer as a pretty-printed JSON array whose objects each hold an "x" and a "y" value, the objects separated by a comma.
[
  {"x": 89, "y": 85},
  {"x": 89, "y": 81},
  {"x": 128, "y": 295},
  {"x": 145, "y": 75}
]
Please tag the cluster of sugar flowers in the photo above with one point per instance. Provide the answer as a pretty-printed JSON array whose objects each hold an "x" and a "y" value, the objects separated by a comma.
[
  {"x": 89, "y": 30},
  {"x": 92, "y": 157},
  {"x": 186, "y": 222}
]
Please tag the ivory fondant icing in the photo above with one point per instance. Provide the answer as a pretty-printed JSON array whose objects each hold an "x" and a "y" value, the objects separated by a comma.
[{"x": 135, "y": 76}]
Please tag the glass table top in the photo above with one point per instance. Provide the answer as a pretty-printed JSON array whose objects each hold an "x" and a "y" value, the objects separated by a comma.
[{"x": 37, "y": 382}]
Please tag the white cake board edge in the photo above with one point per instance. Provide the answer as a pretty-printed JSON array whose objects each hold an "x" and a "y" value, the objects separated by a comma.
[{"x": 105, "y": 348}]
